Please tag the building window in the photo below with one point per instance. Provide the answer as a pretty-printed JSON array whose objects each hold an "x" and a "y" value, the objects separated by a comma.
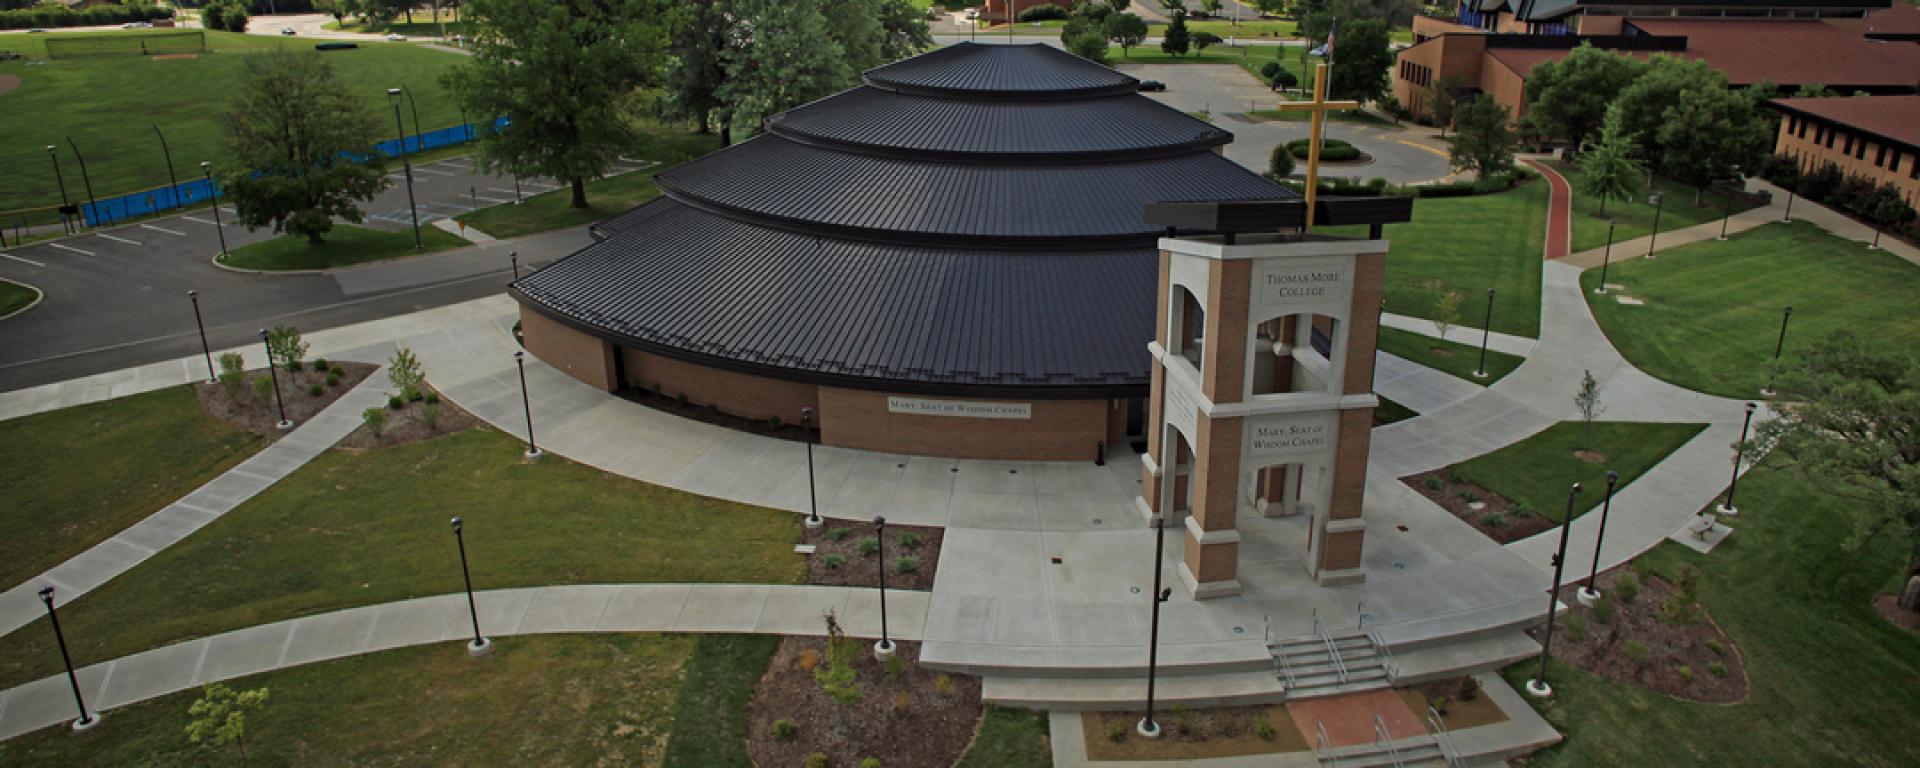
[
  {"x": 1880, "y": 157},
  {"x": 1895, "y": 167},
  {"x": 1860, "y": 151},
  {"x": 1846, "y": 147}
]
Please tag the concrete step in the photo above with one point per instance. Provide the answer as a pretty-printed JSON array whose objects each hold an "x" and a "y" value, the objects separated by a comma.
[
  {"x": 1487, "y": 621},
  {"x": 1418, "y": 750},
  {"x": 987, "y": 660},
  {"x": 1320, "y": 688},
  {"x": 1466, "y": 656},
  {"x": 1121, "y": 693}
]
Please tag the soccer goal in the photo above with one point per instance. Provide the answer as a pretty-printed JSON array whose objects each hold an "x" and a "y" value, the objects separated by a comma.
[{"x": 142, "y": 44}]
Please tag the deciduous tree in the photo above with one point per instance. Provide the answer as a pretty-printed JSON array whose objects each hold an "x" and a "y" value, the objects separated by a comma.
[
  {"x": 905, "y": 30},
  {"x": 1643, "y": 104},
  {"x": 702, "y": 33},
  {"x": 1570, "y": 97},
  {"x": 781, "y": 57},
  {"x": 1607, "y": 171},
  {"x": 1444, "y": 100},
  {"x": 220, "y": 716},
  {"x": 301, "y": 145},
  {"x": 1709, "y": 134},
  {"x": 1362, "y": 60},
  {"x": 1484, "y": 143},
  {"x": 1126, "y": 29}
]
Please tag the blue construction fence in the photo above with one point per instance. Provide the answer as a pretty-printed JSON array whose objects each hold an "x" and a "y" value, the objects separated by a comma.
[{"x": 151, "y": 201}]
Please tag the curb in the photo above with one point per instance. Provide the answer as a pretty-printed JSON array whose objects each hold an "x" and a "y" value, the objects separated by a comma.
[{"x": 38, "y": 296}]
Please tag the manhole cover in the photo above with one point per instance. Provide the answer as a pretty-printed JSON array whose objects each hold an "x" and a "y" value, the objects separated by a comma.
[
  {"x": 1239, "y": 630},
  {"x": 1098, "y": 521},
  {"x": 1135, "y": 590}
]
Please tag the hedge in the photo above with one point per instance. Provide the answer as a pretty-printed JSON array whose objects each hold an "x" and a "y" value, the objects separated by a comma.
[
  {"x": 1044, "y": 13},
  {"x": 103, "y": 15},
  {"x": 1331, "y": 150}
]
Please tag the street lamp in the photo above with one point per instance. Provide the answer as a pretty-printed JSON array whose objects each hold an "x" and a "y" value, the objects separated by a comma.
[
  {"x": 515, "y": 258},
  {"x": 400, "y": 127},
  {"x": 213, "y": 197},
  {"x": 54, "y": 153},
  {"x": 1726, "y": 211},
  {"x": 1147, "y": 726},
  {"x": 479, "y": 645},
  {"x": 172, "y": 178},
  {"x": 1590, "y": 593},
  {"x": 86, "y": 719},
  {"x": 1537, "y": 687},
  {"x": 194, "y": 296},
  {"x": 520, "y": 361},
  {"x": 1486, "y": 330},
  {"x": 1606, "y": 258},
  {"x": 1778, "y": 346},
  {"x": 1787, "y": 218},
  {"x": 1726, "y": 507},
  {"x": 884, "y": 649},
  {"x": 813, "y": 504},
  {"x": 1659, "y": 202},
  {"x": 274, "y": 372}
]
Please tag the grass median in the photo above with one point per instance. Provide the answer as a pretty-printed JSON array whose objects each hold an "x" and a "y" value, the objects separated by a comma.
[
  {"x": 1635, "y": 217},
  {"x": 1457, "y": 360},
  {"x": 15, "y": 297},
  {"x": 1539, "y": 471},
  {"x": 346, "y": 245}
]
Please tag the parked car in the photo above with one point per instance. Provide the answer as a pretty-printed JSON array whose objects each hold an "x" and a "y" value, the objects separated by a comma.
[
  {"x": 1152, "y": 85},
  {"x": 288, "y": 31},
  {"x": 395, "y": 37},
  {"x": 973, "y": 13},
  {"x": 36, "y": 31}
]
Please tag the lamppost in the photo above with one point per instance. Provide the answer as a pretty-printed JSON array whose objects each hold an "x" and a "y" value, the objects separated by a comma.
[
  {"x": 400, "y": 127},
  {"x": 1726, "y": 210},
  {"x": 1537, "y": 687},
  {"x": 526, "y": 402},
  {"x": 1148, "y": 727},
  {"x": 883, "y": 649},
  {"x": 1486, "y": 330},
  {"x": 479, "y": 645},
  {"x": 1606, "y": 258},
  {"x": 1726, "y": 507},
  {"x": 213, "y": 196},
  {"x": 1778, "y": 346},
  {"x": 1787, "y": 218},
  {"x": 419, "y": 139},
  {"x": 173, "y": 179},
  {"x": 62, "y": 179},
  {"x": 274, "y": 372},
  {"x": 194, "y": 296},
  {"x": 87, "y": 720},
  {"x": 1590, "y": 593},
  {"x": 813, "y": 504},
  {"x": 87, "y": 180},
  {"x": 515, "y": 258},
  {"x": 1659, "y": 202}
]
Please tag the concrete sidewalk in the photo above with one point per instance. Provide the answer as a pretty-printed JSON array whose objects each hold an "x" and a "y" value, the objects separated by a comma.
[
  {"x": 1519, "y": 346},
  {"x": 103, "y": 562},
  {"x": 721, "y": 608}
]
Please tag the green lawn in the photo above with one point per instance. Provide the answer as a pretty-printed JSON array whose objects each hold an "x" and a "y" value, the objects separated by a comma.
[
  {"x": 539, "y": 700},
  {"x": 346, "y": 246},
  {"x": 1009, "y": 738},
  {"x": 14, "y": 297},
  {"x": 363, "y": 527},
  {"x": 1539, "y": 470},
  {"x": 1459, "y": 360},
  {"x": 1470, "y": 244},
  {"x": 1833, "y": 683},
  {"x": 666, "y": 145},
  {"x": 107, "y": 103},
  {"x": 421, "y": 26},
  {"x": 1635, "y": 217},
  {"x": 1713, "y": 309},
  {"x": 1351, "y": 116},
  {"x": 76, "y": 476},
  {"x": 710, "y": 721}
]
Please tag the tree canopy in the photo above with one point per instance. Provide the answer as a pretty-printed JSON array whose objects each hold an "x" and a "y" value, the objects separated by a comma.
[
  {"x": 1644, "y": 104},
  {"x": 1483, "y": 143},
  {"x": 301, "y": 146},
  {"x": 1607, "y": 171},
  {"x": 1361, "y": 61},
  {"x": 1569, "y": 97},
  {"x": 1126, "y": 29},
  {"x": 1176, "y": 40},
  {"x": 782, "y": 57},
  {"x": 1711, "y": 134}
]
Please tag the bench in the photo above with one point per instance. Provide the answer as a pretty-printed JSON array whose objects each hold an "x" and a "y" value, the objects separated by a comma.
[{"x": 1701, "y": 525}]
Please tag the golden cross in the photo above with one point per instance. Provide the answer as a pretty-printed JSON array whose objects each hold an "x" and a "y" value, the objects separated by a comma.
[{"x": 1319, "y": 107}]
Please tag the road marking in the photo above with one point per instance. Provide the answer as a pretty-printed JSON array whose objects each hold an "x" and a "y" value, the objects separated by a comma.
[
  {"x": 116, "y": 239},
  {"x": 489, "y": 199},
  {"x": 22, "y": 260},
  {"x": 455, "y": 206},
  {"x": 1417, "y": 145},
  {"x": 175, "y": 233},
  {"x": 198, "y": 220},
  {"x": 70, "y": 248},
  {"x": 426, "y": 170},
  {"x": 497, "y": 189}
]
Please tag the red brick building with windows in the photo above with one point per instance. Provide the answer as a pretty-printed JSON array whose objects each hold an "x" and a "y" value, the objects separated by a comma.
[
  {"x": 1873, "y": 138},
  {"x": 995, "y": 11}
]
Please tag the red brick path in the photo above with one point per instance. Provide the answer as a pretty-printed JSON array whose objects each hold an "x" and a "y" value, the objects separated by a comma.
[
  {"x": 1559, "y": 211},
  {"x": 1349, "y": 719}
]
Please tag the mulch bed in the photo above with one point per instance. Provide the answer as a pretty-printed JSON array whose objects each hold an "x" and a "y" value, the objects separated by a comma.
[
  {"x": 860, "y": 570},
  {"x": 1192, "y": 734},
  {"x": 786, "y": 430},
  {"x": 1465, "y": 705},
  {"x": 409, "y": 424},
  {"x": 1888, "y": 606},
  {"x": 1670, "y": 647},
  {"x": 256, "y": 413},
  {"x": 1497, "y": 519},
  {"x": 922, "y": 718}
]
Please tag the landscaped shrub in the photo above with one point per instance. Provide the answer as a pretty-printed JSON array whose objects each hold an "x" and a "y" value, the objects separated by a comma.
[
  {"x": 869, "y": 546},
  {"x": 1469, "y": 688},
  {"x": 1495, "y": 520},
  {"x": 394, "y": 402},
  {"x": 316, "y": 390},
  {"x": 338, "y": 371},
  {"x": 943, "y": 683},
  {"x": 1044, "y": 13},
  {"x": 833, "y": 561},
  {"x": 1433, "y": 483},
  {"x": 263, "y": 387},
  {"x": 1628, "y": 587},
  {"x": 1576, "y": 626},
  {"x": 233, "y": 373},
  {"x": 1603, "y": 610},
  {"x": 433, "y": 398},
  {"x": 1716, "y": 647},
  {"x": 1263, "y": 728},
  {"x": 816, "y": 760},
  {"x": 1686, "y": 673},
  {"x": 836, "y": 534},
  {"x": 1440, "y": 705},
  {"x": 1716, "y": 669},
  {"x": 874, "y": 762},
  {"x": 375, "y": 419},
  {"x": 1116, "y": 731},
  {"x": 320, "y": 364},
  {"x": 333, "y": 379},
  {"x": 1637, "y": 651},
  {"x": 1521, "y": 511},
  {"x": 785, "y": 730},
  {"x": 908, "y": 539},
  {"x": 1331, "y": 150},
  {"x": 907, "y": 564},
  {"x": 894, "y": 666},
  {"x": 430, "y": 416}
]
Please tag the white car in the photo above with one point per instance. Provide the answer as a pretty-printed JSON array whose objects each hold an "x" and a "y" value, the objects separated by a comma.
[
  {"x": 973, "y": 13},
  {"x": 395, "y": 37},
  {"x": 287, "y": 31}
]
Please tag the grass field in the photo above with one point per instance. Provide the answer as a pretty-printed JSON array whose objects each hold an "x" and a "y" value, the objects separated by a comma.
[
  {"x": 421, "y": 26},
  {"x": 364, "y": 527},
  {"x": 1539, "y": 470},
  {"x": 1712, "y": 312},
  {"x": 1634, "y": 218},
  {"x": 1833, "y": 683},
  {"x": 14, "y": 297},
  {"x": 1459, "y": 360},
  {"x": 76, "y": 476},
  {"x": 538, "y": 700},
  {"x": 1009, "y": 738},
  {"x": 606, "y": 197},
  {"x": 109, "y": 104},
  {"x": 346, "y": 245}
]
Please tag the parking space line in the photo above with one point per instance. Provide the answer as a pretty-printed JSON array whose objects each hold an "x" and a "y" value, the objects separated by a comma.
[
  {"x": 116, "y": 239},
  {"x": 489, "y": 199},
  {"x": 430, "y": 171},
  {"x": 70, "y": 248},
  {"x": 175, "y": 233},
  {"x": 497, "y": 189},
  {"x": 455, "y": 206},
  {"x": 197, "y": 220},
  {"x": 22, "y": 260},
  {"x": 397, "y": 176}
]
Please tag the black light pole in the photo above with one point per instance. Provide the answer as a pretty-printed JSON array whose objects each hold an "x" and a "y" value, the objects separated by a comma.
[
  {"x": 515, "y": 258},
  {"x": 419, "y": 138},
  {"x": 1778, "y": 346},
  {"x": 526, "y": 402},
  {"x": 1486, "y": 330},
  {"x": 813, "y": 505},
  {"x": 274, "y": 371},
  {"x": 88, "y": 181},
  {"x": 86, "y": 720},
  {"x": 1591, "y": 592},
  {"x": 62, "y": 179},
  {"x": 1726, "y": 211},
  {"x": 172, "y": 178},
  {"x": 884, "y": 648},
  {"x": 479, "y": 645},
  {"x": 1538, "y": 685},
  {"x": 1727, "y": 507},
  {"x": 1659, "y": 202},
  {"x": 1787, "y": 218},
  {"x": 194, "y": 296},
  {"x": 1606, "y": 258},
  {"x": 400, "y": 126},
  {"x": 1148, "y": 727},
  {"x": 213, "y": 196}
]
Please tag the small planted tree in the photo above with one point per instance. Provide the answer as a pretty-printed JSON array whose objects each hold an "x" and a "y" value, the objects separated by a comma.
[
  {"x": 375, "y": 419},
  {"x": 1280, "y": 162},
  {"x": 836, "y": 678},
  {"x": 404, "y": 372},
  {"x": 1608, "y": 171},
  {"x": 1587, "y": 402},
  {"x": 1127, "y": 30},
  {"x": 1484, "y": 143},
  {"x": 289, "y": 350},
  {"x": 233, "y": 373},
  {"x": 220, "y": 716},
  {"x": 1446, "y": 312}
]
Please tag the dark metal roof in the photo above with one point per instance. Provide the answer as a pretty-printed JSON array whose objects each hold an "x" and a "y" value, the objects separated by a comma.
[
  {"x": 1030, "y": 71},
  {"x": 732, "y": 294},
  {"x": 888, "y": 199},
  {"x": 874, "y": 121}
]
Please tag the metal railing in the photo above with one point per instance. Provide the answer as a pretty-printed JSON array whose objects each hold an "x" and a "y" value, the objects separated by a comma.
[
  {"x": 1386, "y": 656},
  {"x": 1333, "y": 651},
  {"x": 1323, "y": 746},
  {"x": 1443, "y": 739},
  {"x": 1383, "y": 741}
]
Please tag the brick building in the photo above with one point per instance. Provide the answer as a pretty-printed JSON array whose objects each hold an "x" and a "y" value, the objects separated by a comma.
[
  {"x": 996, "y": 11},
  {"x": 1875, "y": 138},
  {"x": 1608, "y": 17},
  {"x": 948, "y": 260}
]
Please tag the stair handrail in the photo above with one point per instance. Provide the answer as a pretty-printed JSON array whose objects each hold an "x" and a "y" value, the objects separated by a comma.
[
  {"x": 1387, "y": 661},
  {"x": 1286, "y": 670},
  {"x": 1323, "y": 746},
  {"x": 1316, "y": 621},
  {"x": 1361, "y": 611},
  {"x": 1443, "y": 739},
  {"x": 1333, "y": 651},
  {"x": 1383, "y": 741},
  {"x": 1267, "y": 619}
]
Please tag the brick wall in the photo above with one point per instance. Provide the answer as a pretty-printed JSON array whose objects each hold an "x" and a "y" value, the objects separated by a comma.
[
  {"x": 1060, "y": 430},
  {"x": 740, "y": 394},
  {"x": 584, "y": 357},
  {"x": 1897, "y": 166}
]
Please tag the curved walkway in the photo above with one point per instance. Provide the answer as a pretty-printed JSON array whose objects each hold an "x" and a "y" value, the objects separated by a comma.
[{"x": 724, "y": 608}]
